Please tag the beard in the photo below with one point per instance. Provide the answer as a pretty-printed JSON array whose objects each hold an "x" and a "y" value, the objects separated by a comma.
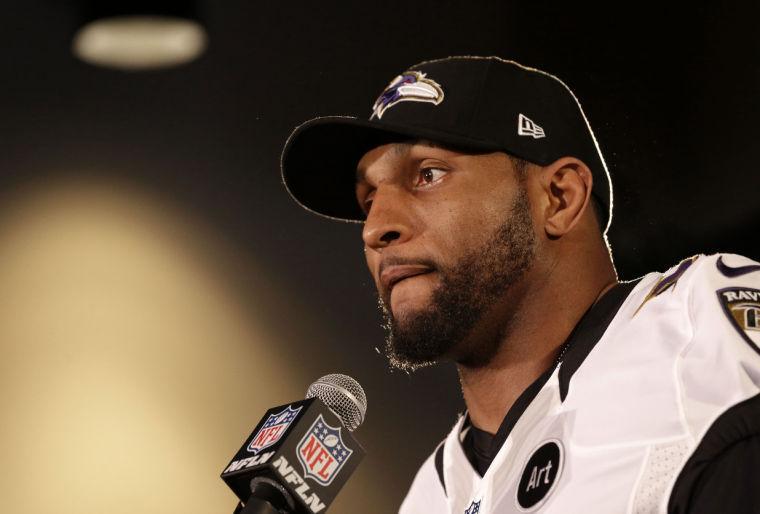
[{"x": 464, "y": 295}]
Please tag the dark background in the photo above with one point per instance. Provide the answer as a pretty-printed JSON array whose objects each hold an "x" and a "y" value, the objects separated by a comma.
[{"x": 672, "y": 94}]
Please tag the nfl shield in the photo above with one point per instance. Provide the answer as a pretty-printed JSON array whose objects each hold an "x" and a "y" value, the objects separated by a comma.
[
  {"x": 322, "y": 452},
  {"x": 273, "y": 429}
]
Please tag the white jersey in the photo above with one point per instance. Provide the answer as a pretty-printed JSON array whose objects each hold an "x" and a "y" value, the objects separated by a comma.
[{"x": 656, "y": 375}]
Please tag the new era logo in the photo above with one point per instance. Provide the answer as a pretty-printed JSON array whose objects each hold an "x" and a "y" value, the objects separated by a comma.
[{"x": 527, "y": 127}]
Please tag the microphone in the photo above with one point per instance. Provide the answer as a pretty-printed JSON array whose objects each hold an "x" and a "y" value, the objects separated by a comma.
[{"x": 300, "y": 454}]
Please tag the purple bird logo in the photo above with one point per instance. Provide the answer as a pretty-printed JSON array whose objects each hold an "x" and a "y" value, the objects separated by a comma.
[{"x": 410, "y": 86}]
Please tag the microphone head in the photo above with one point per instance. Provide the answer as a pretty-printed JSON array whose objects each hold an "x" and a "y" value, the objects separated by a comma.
[{"x": 343, "y": 395}]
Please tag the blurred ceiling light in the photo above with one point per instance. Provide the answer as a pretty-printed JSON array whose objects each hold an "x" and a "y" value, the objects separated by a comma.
[{"x": 138, "y": 35}]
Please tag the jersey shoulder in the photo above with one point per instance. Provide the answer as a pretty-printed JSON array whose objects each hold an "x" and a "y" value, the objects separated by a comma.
[
  {"x": 426, "y": 493},
  {"x": 724, "y": 298},
  {"x": 704, "y": 284},
  {"x": 724, "y": 268},
  {"x": 706, "y": 310}
]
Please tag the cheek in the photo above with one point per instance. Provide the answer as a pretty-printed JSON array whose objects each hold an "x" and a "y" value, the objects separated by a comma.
[
  {"x": 372, "y": 258},
  {"x": 457, "y": 229},
  {"x": 466, "y": 226}
]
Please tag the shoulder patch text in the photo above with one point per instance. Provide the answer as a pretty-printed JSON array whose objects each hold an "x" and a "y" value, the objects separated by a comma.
[{"x": 742, "y": 307}]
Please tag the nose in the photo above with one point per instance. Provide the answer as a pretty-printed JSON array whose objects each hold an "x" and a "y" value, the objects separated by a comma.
[{"x": 388, "y": 221}]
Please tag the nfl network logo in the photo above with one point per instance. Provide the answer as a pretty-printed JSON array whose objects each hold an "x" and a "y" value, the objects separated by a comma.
[
  {"x": 322, "y": 452},
  {"x": 273, "y": 429}
]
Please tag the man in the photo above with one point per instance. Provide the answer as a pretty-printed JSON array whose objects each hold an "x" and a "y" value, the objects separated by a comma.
[{"x": 485, "y": 200}]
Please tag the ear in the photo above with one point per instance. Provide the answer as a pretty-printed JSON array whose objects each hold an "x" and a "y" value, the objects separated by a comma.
[{"x": 566, "y": 184}]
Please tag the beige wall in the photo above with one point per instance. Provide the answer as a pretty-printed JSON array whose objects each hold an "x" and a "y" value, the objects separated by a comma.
[{"x": 132, "y": 360}]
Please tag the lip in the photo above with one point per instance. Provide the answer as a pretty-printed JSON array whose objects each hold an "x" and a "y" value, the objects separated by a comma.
[{"x": 392, "y": 275}]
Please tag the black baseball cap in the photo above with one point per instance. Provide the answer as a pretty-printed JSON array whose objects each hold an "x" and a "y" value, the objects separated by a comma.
[{"x": 478, "y": 104}]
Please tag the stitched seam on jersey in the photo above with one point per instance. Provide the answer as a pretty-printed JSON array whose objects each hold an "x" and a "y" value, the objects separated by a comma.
[
  {"x": 680, "y": 356},
  {"x": 637, "y": 483},
  {"x": 690, "y": 298},
  {"x": 694, "y": 440},
  {"x": 675, "y": 472},
  {"x": 679, "y": 392}
]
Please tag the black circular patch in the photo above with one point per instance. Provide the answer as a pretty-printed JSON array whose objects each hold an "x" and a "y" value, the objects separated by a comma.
[{"x": 539, "y": 475}]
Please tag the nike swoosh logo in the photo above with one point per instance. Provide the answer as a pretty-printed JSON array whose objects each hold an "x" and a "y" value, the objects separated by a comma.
[{"x": 735, "y": 272}]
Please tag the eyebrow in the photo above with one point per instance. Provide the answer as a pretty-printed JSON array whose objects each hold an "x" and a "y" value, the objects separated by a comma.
[{"x": 399, "y": 149}]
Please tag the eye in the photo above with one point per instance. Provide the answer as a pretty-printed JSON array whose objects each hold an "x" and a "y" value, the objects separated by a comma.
[
  {"x": 366, "y": 204},
  {"x": 429, "y": 176}
]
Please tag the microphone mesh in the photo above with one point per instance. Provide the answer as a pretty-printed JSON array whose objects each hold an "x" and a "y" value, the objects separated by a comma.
[{"x": 343, "y": 395}]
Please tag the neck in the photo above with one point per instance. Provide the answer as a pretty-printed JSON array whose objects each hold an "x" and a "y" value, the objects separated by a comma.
[{"x": 531, "y": 343}]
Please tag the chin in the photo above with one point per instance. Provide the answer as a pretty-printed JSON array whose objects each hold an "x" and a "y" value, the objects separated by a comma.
[
  {"x": 406, "y": 313},
  {"x": 410, "y": 299}
]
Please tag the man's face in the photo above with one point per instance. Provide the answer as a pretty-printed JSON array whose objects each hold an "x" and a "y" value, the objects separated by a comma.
[{"x": 448, "y": 238}]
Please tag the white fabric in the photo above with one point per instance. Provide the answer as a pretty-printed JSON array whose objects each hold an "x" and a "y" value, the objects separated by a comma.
[{"x": 636, "y": 408}]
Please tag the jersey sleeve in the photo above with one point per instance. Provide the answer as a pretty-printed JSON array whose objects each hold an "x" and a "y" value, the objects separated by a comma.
[
  {"x": 719, "y": 378},
  {"x": 721, "y": 364},
  {"x": 426, "y": 494}
]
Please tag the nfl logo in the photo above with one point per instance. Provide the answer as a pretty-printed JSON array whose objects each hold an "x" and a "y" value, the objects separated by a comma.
[
  {"x": 273, "y": 428},
  {"x": 322, "y": 452}
]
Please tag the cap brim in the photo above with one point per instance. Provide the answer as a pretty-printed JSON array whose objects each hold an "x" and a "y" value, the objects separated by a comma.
[{"x": 319, "y": 160}]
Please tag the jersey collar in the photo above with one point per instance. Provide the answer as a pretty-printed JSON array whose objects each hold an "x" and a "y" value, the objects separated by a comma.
[
  {"x": 589, "y": 331},
  {"x": 579, "y": 344}
]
